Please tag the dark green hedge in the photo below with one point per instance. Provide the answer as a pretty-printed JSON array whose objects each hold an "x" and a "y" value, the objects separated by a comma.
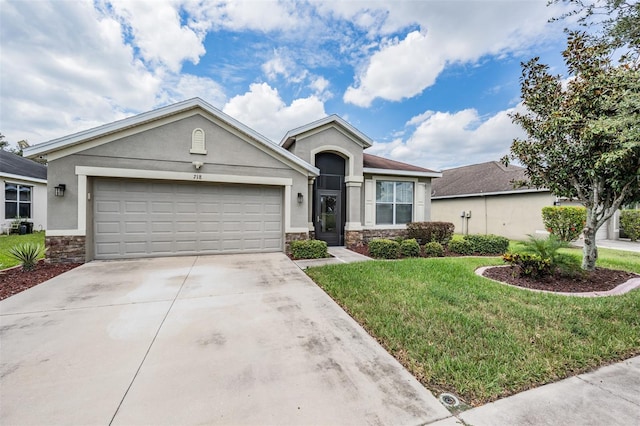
[
  {"x": 488, "y": 244},
  {"x": 309, "y": 249},
  {"x": 382, "y": 248}
]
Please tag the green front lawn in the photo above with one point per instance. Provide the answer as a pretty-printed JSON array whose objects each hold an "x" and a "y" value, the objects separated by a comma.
[
  {"x": 8, "y": 241},
  {"x": 483, "y": 340}
]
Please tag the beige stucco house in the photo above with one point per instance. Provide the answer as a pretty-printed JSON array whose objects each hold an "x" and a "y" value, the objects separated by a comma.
[
  {"x": 482, "y": 199},
  {"x": 24, "y": 192},
  {"x": 189, "y": 179}
]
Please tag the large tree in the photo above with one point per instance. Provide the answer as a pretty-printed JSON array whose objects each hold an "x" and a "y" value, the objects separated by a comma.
[{"x": 583, "y": 132}]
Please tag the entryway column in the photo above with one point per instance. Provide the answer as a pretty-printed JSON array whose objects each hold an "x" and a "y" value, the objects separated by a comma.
[{"x": 353, "y": 226}]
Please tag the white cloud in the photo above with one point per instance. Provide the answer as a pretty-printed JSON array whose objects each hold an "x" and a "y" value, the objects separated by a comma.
[
  {"x": 158, "y": 32},
  {"x": 63, "y": 68},
  {"x": 451, "y": 32},
  {"x": 262, "y": 109},
  {"x": 249, "y": 15},
  {"x": 188, "y": 86},
  {"x": 443, "y": 140}
]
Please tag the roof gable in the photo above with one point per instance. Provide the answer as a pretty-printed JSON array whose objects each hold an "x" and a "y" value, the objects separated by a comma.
[
  {"x": 331, "y": 120},
  {"x": 106, "y": 133},
  {"x": 16, "y": 165},
  {"x": 479, "y": 179}
]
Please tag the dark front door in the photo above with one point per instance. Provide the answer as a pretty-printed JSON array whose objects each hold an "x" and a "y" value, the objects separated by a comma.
[{"x": 328, "y": 216}]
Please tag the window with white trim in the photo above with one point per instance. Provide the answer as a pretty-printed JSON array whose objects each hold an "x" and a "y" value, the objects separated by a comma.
[
  {"x": 394, "y": 202},
  {"x": 17, "y": 200}
]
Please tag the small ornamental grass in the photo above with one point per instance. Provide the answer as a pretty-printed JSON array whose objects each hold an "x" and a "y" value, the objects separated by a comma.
[{"x": 27, "y": 254}]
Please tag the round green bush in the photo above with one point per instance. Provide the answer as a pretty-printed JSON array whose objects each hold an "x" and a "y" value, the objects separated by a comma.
[
  {"x": 433, "y": 249},
  {"x": 461, "y": 247},
  {"x": 382, "y": 248},
  {"x": 410, "y": 248}
]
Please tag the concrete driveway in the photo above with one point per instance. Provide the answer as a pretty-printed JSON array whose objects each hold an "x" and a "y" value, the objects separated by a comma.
[{"x": 242, "y": 339}]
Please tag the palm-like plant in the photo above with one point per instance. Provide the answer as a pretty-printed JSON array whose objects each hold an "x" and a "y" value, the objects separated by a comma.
[
  {"x": 549, "y": 248},
  {"x": 27, "y": 254}
]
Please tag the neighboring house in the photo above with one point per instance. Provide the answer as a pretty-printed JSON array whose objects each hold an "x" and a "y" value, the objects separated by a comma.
[
  {"x": 482, "y": 199},
  {"x": 24, "y": 191},
  {"x": 188, "y": 179}
]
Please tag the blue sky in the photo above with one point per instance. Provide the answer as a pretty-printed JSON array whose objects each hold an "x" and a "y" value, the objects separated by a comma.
[{"x": 431, "y": 82}]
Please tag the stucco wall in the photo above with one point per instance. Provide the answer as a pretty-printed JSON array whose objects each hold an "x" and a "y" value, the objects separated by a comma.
[
  {"x": 512, "y": 216},
  {"x": 166, "y": 149},
  {"x": 309, "y": 144},
  {"x": 38, "y": 206}
]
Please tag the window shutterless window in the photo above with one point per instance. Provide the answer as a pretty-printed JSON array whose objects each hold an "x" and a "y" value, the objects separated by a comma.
[
  {"x": 17, "y": 200},
  {"x": 394, "y": 202}
]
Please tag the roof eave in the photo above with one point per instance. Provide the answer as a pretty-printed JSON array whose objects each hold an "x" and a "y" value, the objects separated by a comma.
[
  {"x": 484, "y": 194},
  {"x": 407, "y": 173},
  {"x": 136, "y": 120}
]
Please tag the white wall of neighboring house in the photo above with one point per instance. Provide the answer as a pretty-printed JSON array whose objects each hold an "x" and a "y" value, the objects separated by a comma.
[{"x": 38, "y": 200}]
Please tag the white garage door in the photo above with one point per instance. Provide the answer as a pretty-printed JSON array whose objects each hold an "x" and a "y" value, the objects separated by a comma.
[{"x": 152, "y": 218}]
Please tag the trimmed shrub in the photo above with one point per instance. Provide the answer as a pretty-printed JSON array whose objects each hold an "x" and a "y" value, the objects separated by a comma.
[
  {"x": 309, "y": 249},
  {"x": 630, "y": 222},
  {"x": 528, "y": 265},
  {"x": 488, "y": 244},
  {"x": 461, "y": 247},
  {"x": 564, "y": 222},
  {"x": 410, "y": 248},
  {"x": 426, "y": 232},
  {"x": 434, "y": 249},
  {"x": 382, "y": 248},
  {"x": 27, "y": 254}
]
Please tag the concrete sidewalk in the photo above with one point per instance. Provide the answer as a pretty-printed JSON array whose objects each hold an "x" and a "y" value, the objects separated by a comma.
[
  {"x": 608, "y": 396},
  {"x": 625, "y": 245}
]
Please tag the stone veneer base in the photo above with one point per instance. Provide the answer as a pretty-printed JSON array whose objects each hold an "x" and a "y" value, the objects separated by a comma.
[{"x": 66, "y": 249}]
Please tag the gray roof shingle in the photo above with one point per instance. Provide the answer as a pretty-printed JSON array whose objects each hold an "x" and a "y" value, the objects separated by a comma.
[
  {"x": 16, "y": 165},
  {"x": 480, "y": 178}
]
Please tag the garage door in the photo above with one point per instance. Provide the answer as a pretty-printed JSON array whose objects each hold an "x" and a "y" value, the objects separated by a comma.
[{"x": 152, "y": 218}]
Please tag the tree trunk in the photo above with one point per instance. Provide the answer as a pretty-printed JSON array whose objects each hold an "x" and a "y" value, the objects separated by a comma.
[{"x": 590, "y": 250}]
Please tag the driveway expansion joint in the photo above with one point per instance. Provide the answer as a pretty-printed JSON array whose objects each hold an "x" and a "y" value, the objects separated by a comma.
[
  {"x": 155, "y": 336},
  {"x": 585, "y": 380}
]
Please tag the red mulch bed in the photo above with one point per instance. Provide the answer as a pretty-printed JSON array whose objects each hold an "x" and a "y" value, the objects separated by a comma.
[
  {"x": 15, "y": 280},
  {"x": 601, "y": 279}
]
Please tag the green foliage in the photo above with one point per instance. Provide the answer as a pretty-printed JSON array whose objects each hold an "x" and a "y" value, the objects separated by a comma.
[
  {"x": 630, "y": 221},
  {"x": 382, "y": 248},
  {"x": 27, "y": 254},
  {"x": 461, "y": 247},
  {"x": 434, "y": 249},
  {"x": 425, "y": 232},
  {"x": 564, "y": 222},
  {"x": 548, "y": 249},
  {"x": 309, "y": 249},
  {"x": 410, "y": 248},
  {"x": 528, "y": 265},
  {"x": 487, "y": 244},
  {"x": 583, "y": 138}
]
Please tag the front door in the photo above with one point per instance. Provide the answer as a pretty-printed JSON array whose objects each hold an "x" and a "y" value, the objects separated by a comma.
[{"x": 328, "y": 216}]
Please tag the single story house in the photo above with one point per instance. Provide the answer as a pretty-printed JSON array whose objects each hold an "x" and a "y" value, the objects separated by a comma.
[
  {"x": 188, "y": 179},
  {"x": 481, "y": 199},
  {"x": 24, "y": 191}
]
